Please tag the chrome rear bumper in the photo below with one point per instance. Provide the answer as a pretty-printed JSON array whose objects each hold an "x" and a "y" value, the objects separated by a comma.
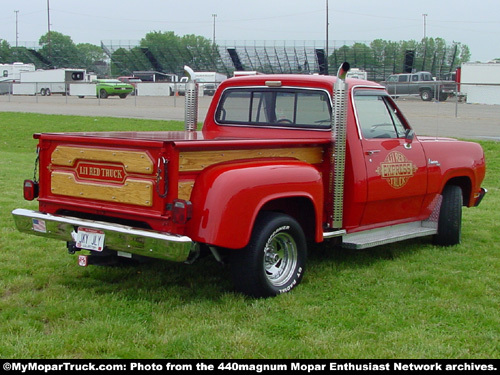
[{"x": 117, "y": 237}]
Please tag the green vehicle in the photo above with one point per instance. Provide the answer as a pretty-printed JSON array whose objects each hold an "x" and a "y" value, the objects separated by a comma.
[{"x": 110, "y": 87}]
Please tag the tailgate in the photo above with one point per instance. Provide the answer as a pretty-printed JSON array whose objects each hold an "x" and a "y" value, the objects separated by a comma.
[{"x": 103, "y": 176}]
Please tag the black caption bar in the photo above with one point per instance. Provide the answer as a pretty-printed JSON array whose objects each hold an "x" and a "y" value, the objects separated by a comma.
[{"x": 248, "y": 366}]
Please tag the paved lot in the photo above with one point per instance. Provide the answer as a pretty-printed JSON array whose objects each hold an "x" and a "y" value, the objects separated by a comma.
[{"x": 427, "y": 118}]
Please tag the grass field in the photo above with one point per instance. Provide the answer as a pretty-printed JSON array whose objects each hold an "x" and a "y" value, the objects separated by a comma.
[{"x": 406, "y": 300}]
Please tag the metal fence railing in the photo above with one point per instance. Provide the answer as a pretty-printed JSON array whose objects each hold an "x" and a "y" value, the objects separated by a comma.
[{"x": 144, "y": 94}]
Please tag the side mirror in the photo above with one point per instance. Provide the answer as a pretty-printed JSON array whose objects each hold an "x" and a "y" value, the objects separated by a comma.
[{"x": 409, "y": 136}]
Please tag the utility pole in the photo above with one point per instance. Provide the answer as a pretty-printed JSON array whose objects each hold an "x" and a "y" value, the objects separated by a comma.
[
  {"x": 213, "y": 40},
  {"x": 326, "y": 48},
  {"x": 17, "y": 29},
  {"x": 425, "y": 24},
  {"x": 48, "y": 27}
]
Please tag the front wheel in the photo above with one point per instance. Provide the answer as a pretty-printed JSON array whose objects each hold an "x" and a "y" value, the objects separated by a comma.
[
  {"x": 273, "y": 262},
  {"x": 450, "y": 217},
  {"x": 426, "y": 95}
]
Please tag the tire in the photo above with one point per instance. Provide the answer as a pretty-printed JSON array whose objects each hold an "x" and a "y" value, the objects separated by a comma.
[
  {"x": 47, "y": 92},
  {"x": 450, "y": 217},
  {"x": 103, "y": 94},
  {"x": 123, "y": 96},
  {"x": 426, "y": 95},
  {"x": 443, "y": 96},
  {"x": 43, "y": 92},
  {"x": 273, "y": 262}
]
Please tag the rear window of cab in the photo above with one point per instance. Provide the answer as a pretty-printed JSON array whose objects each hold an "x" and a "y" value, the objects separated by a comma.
[{"x": 275, "y": 107}]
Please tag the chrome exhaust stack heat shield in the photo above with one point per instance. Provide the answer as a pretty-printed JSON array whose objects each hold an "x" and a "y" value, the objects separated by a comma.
[
  {"x": 191, "y": 101},
  {"x": 339, "y": 129}
]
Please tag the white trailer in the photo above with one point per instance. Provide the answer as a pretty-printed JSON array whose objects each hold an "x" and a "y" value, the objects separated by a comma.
[
  {"x": 480, "y": 82},
  {"x": 54, "y": 81},
  {"x": 357, "y": 73},
  {"x": 207, "y": 81},
  {"x": 10, "y": 73}
]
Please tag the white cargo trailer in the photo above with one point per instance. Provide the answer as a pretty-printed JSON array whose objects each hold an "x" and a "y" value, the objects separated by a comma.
[
  {"x": 54, "y": 81},
  {"x": 207, "y": 81},
  {"x": 480, "y": 82},
  {"x": 10, "y": 73}
]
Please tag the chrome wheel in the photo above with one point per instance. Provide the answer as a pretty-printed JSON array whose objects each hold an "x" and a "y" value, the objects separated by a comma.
[
  {"x": 273, "y": 262},
  {"x": 280, "y": 258}
]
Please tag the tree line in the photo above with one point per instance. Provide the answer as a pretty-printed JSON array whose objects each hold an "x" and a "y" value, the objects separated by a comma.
[{"x": 168, "y": 53}]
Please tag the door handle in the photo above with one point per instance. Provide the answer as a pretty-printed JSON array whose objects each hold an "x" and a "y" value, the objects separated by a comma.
[{"x": 371, "y": 152}]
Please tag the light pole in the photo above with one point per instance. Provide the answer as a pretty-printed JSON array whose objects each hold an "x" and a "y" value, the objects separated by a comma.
[
  {"x": 425, "y": 24},
  {"x": 48, "y": 28},
  {"x": 327, "y": 24},
  {"x": 17, "y": 30},
  {"x": 214, "y": 16}
]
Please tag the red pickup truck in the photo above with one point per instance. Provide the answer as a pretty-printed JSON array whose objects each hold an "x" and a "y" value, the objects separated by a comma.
[{"x": 281, "y": 161}]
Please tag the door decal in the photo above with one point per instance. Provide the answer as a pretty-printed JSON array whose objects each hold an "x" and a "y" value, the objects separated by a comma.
[{"x": 396, "y": 169}]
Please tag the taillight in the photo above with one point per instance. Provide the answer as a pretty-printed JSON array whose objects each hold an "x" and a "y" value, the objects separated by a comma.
[
  {"x": 30, "y": 190},
  {"x": 181, "y": 211}
]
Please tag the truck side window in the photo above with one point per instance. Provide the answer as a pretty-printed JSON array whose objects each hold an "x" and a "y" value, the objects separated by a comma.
[
  {"x": 290, "y": 107},
  {"x": 236, "y": 107},
  {"x": 403, "y": 78},
  {"x": 426, "y": 77},
  {"x": 377, "y": 117}
]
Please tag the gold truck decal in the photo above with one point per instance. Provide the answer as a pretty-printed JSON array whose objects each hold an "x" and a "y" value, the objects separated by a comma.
[
  {"x": 396, "y": 169},
  {"x": 101, "y": 172}
]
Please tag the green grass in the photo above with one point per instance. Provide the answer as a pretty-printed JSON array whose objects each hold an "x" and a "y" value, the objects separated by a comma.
[{"x": 406, "y": 300}]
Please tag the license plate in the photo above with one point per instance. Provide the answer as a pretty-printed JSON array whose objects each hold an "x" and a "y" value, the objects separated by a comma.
[{"x": 90, "y": 239}]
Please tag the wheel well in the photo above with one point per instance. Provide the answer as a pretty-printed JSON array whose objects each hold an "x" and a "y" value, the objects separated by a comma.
[
  {"x": 300, "y": 208},
  {"x": 465, "y": 185}
]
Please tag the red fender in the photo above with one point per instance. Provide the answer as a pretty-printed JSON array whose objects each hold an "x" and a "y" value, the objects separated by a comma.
[{"x": 227, "y": 197}]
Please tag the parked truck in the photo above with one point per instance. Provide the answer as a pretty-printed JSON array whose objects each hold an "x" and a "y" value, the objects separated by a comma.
[
  {"x": 419, "y": 84},
  {"x": 54, "y": 81},
  {"x": 281, "y": 161}
]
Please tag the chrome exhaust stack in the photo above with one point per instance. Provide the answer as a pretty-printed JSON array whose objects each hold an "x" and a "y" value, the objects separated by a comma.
[
  {"x": 339, "y": 129},
  {"x": 191, "y": 101}
]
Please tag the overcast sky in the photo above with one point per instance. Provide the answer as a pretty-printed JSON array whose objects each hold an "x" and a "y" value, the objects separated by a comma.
[{"x": 476, "y": 23}]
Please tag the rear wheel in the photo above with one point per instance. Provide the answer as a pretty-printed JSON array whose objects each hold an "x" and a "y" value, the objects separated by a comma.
[
  {"x": 443, "y": 96},
  {"x": 103, "y": 94},
  {"x": 274, "y": 260},
  {"x": 450, "y": 217}
]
